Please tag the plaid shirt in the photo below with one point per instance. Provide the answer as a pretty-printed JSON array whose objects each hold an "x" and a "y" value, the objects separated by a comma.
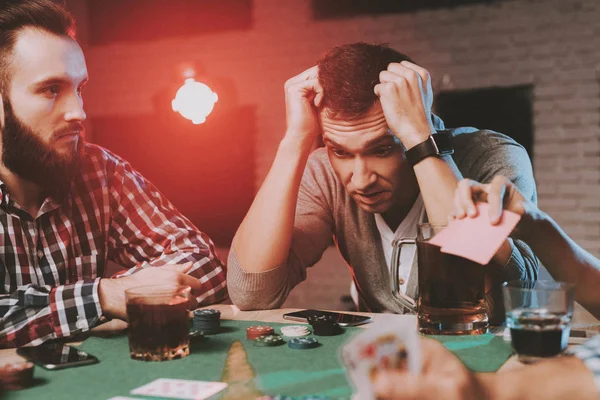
[
  {"x": 589, "y": 353},
  {"x": 51, "y": 265}
]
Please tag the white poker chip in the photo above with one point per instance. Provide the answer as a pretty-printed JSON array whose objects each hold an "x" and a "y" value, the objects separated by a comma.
[{"x": 295, "y": 331}]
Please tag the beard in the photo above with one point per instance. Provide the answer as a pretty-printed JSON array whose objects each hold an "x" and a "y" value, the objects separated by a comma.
[{"x": 27, "y": 156}]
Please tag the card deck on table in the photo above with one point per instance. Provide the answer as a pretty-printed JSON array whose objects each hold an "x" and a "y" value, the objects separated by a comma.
[
  {"x": 385, "y": 345},
  {"x": 180, "y": 389}
]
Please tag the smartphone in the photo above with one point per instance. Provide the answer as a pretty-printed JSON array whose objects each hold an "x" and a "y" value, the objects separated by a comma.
[
  {"x": 343, "y": 319},
  {"x": 56, "y": 356}
]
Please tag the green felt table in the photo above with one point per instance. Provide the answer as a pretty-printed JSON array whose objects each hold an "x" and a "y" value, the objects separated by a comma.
[{"x": 250, "y": 371}]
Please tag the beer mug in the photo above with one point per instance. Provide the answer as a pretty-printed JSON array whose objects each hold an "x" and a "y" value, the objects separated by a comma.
[{"x": 451, "y": 299}]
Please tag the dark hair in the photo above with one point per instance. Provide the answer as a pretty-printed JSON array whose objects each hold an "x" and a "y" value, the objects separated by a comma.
[
  {"x": 348, "y": 74},
  {"x": 16, "y": 15}
]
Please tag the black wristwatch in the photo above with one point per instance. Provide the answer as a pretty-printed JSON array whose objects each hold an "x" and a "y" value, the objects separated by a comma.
[{"x": 439, "y": 144}]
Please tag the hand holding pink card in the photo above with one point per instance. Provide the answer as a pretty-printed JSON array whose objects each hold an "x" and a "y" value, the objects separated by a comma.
[{"x": 476, "y": 239}]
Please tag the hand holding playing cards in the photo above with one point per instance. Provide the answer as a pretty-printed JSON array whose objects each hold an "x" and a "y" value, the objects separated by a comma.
[
  {"x": 500, "y": 194},
  {"x": 443, "y": 376}
]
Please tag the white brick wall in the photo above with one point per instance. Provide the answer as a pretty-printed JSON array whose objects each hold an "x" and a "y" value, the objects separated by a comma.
[{"x": 552, "y": 44}]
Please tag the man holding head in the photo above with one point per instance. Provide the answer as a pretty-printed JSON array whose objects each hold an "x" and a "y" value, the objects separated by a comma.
[
  {"x": 384, "y": 169},
  {"x": 67, "y": 206}
]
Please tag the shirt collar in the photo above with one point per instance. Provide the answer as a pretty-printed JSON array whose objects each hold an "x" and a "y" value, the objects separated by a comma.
[{"x": 48, "y": 205}]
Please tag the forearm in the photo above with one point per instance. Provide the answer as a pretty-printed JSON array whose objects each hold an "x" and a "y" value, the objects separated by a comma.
[
  {"x": 35, "y": 314},
  {"x": 560, "y": 378},
  {"x": 565, "y": 260},
  {"x": 263, "y": 239},
  {"x": 438, "y": 179}
]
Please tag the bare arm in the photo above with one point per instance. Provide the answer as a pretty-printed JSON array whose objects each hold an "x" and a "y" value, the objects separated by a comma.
[
  {"x": 564, "y": 259},
  {"x": 263, "y": 239},
  {"x": 406, "y": 99},
  {"x": 559, "y": 378},
  {"x": 262, "y": 242}
]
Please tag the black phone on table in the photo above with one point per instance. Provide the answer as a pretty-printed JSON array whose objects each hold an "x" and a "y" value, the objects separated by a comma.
[
  {"x": 344, "y": 319},
  {"x": 56, "y": 356}
]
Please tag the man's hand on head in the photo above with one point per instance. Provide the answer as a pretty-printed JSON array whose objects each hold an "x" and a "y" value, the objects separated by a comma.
[
  {"x": 112, "y": 291},
  {"x": 406, "y": 98},
  {"x": 303, "y": 96}
]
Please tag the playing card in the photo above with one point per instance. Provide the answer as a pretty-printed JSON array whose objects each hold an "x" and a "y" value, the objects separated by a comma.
[
  {"x": 122, "y": 398},
  {"x": 475, "y": 238},
  {"x": 180, "y": 389},
  {"x": 384, "y": 345}
]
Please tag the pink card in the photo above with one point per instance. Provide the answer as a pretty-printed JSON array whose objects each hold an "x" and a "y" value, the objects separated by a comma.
[{"x": 475, "y": 238}]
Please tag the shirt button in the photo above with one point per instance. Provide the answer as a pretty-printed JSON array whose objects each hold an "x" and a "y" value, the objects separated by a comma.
[
  {"x": 80, "y": 324},
  {"x": 401, "y": 281},
  {"x": 40, "y": 254}
]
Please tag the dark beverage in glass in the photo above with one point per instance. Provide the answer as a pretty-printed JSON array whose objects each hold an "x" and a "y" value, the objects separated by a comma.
[
  {"x": 538, "y": 334},
  {"x": 158, "y": 322},
  {"x": 539, "y": 317},
  {"x": 451, "y": 290}
]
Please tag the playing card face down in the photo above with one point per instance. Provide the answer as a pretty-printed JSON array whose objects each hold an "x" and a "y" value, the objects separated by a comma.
[{"x": 390, "y": 344}]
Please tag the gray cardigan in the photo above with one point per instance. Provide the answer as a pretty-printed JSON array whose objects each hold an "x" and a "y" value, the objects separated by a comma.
[{"x": 326, "y": 214}]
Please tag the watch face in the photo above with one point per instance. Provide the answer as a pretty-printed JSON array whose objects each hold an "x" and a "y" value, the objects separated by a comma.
[{"x": 443, "y": 141}]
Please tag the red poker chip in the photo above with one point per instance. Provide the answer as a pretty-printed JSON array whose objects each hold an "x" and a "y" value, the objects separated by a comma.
[
  {"x": 254, "y": 332},
  {"x": 16, "y": 375}
]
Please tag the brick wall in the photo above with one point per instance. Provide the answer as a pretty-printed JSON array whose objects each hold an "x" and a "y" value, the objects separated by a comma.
[{"x": 552, "y": 44}]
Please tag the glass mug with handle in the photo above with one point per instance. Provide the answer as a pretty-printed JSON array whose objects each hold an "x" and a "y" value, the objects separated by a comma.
[{"x": 451, "y": 297}]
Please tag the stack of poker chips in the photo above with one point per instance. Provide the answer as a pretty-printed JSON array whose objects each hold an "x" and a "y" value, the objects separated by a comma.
[
  {"x": 268, "y": 341},
  {"x": 323, "y": 325},
  {"x": 295, "y": 331},
  {"x": 303, "y": 343},
  {"x": 254, "y": 332},
  {"x": 16, "y": 375},
  {"x": 207, "y": 321}
]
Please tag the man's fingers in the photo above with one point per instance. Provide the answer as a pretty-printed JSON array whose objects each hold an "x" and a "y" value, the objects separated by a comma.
[
  {"x": 309, "y": 74},
  {"x": 183, "y": 268},
  {"x": 309, "y": 89},
  {"x": 465, "y": 197},
  {"x": 422, "y": 72},
  {"x": 192, "y": 282},
  {"x": 497, "y": 191}
]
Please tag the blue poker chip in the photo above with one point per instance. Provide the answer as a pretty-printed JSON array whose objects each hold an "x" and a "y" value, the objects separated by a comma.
[{"x": 303, "y": 343}]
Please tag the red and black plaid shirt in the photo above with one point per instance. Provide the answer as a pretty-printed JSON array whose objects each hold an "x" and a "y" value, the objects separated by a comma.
[{"x": 51, "y": 265}]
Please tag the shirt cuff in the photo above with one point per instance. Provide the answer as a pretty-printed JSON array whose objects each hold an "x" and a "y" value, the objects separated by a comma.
[{"x": 75, "y": 308}]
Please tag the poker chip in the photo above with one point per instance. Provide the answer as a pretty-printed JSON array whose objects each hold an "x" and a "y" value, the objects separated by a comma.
[
  {"x": 257, "y": 331},
  {"x": 303, "y": 343},
  {"x": 295, "y": 331},
  {"x": 196, "y": 335},
  {"x": 323, "y": 325},
  {"x": 207, "y": 313},
  {"x": 268, "y": 341},
  {"x": 207, "y": 321},
  {"x": 16, "y": 375}
]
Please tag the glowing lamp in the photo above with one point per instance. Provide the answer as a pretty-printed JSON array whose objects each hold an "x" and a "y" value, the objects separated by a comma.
[{"x": 194, "y": 101}]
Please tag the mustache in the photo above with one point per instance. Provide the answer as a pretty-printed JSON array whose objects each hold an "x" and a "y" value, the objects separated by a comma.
[{"x": 75, "y": 128}]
